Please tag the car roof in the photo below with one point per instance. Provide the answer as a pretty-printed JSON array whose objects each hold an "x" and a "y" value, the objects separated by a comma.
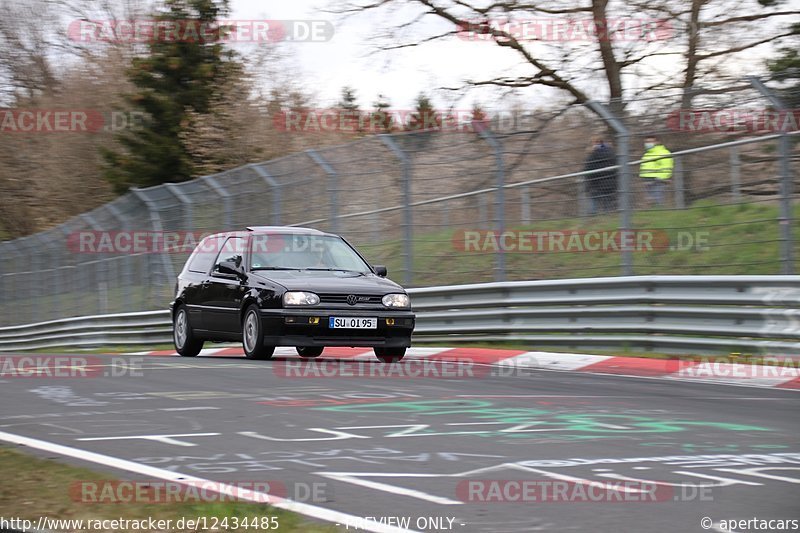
[
  {"x": 284, "y": 229},
  {"x": 264, "y": 230}
]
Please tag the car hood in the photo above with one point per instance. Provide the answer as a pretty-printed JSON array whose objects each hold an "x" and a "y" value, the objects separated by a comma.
[{"x": 329, "y": 282}]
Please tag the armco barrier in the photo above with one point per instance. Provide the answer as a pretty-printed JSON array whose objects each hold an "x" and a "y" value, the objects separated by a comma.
[{"x": 694, "y": 314}]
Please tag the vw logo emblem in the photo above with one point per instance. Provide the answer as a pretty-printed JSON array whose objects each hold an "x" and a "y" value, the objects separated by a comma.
[{"x": 352, "y": 299}]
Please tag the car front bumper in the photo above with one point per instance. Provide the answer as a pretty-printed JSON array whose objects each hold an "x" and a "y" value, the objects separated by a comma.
[{"x": 296, "y": 327}]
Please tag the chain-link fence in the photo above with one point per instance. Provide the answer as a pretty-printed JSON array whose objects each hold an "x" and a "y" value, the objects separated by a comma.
[{"x": 504, "y": 200}]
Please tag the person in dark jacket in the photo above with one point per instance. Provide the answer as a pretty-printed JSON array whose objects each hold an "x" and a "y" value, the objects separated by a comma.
[{"x": 601, "y": 187}]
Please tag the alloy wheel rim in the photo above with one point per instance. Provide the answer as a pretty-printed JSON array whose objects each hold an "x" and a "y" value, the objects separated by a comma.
[
  {"x": 180, "y": 329},
  {"x": 250, "y": 332}
]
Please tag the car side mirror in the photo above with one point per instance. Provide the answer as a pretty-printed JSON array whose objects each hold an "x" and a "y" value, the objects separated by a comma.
[
  {"x": 381, "y": 271},
  {"x": 232, "y": 268}
]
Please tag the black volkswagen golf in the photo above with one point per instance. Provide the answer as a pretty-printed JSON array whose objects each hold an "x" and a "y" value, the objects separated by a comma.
[{"x": 285, "y": 286}]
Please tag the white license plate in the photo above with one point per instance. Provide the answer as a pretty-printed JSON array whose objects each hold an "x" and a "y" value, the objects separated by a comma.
[{"x": 352, "y": 322}]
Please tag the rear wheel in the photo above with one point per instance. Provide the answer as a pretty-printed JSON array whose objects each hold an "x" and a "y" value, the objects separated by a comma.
[
  {"x": 309, "y": 351},
  {"x": 252, "y": 336},
  {"x": 183, "y": 336},
  {"x": 389, "y": 355}
]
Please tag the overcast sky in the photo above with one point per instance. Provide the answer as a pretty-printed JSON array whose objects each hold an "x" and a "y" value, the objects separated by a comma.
[{"x": 350, "y": 58}]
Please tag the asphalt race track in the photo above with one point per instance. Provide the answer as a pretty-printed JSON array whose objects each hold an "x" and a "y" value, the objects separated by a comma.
[{"x": 433, "y": 450}]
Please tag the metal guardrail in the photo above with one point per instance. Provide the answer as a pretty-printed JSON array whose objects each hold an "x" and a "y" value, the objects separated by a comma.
[{"x": 697, "y": 314}]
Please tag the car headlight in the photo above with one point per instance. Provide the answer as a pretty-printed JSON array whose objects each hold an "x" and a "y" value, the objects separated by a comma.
[
  {"x": 396, "y": 300},
  {"x": 300, "y": 298}
]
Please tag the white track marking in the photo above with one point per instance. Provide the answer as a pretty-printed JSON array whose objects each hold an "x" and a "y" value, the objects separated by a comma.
[{"x": 312, "y": 511}]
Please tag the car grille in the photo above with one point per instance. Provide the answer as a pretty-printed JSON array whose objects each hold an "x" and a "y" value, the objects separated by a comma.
[{"x": 341, "y": 299}]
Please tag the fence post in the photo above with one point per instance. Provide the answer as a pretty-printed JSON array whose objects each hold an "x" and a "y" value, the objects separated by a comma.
[
  {"x": 408, "y": 258},
  {"x": 155, "y": 221},
  {"x": 785, "y": 219},
  {"x": 736, "y": 180},
  {"x": 7, "y": 285},
  {"x": 483, "y": 212},
  {"x": 100, "y": 282},
  {"x": 3, "y": 266},
  {"x": 525, "y": 198},
  {"x": 215, "y": 186},
  {"x": 127, "y": 272},
  {"x": 186, "y": 205},
  {"x": 583, "y": 197},
  {"x": 275, "y": 189},
  {"x": 623, "y": 156},
  {"x": 333, "y": 187},
  {"x": 26, "y": 292},
  {"x": 499, "y": 200},
  {"x": 67, "y": 283},
  {"x": 677, "y": 178}
]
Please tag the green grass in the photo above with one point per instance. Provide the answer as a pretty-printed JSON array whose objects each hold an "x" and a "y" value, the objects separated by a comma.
[
  {"x": 741, "y": 239},
  {"x": 42, "y": 487}
]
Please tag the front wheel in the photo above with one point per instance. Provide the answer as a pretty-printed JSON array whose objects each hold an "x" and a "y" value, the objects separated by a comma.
[
  {"x": 183, "y": 335},
  {"x": 389, "y": 355},
  {"x": 309, "y": 351},
  {"x": 252, "y": 336}
]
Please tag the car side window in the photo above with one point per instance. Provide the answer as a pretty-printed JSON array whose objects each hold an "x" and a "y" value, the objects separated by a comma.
[
  {"x": 230, "y": 251},
  {"x": 205, "y": 255}
]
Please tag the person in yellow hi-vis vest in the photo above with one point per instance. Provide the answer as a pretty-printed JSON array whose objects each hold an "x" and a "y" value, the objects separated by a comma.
[{"x": 655, "y": 169}]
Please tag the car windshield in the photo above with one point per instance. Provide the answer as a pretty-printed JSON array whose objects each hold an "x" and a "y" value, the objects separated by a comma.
[{"x": 304, "y": 252}]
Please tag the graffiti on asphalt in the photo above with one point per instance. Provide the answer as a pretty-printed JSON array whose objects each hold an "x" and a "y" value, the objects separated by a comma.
[
  {"x": 522, "y": 422},
  {"x": 715, "y": 447},
  {"x": 222, "y": 463},
  {"x": 704, "y": 471}
]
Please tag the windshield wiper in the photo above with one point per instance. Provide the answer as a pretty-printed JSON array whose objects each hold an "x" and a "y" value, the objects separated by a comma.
[
  {"x": 275, "y": 268},
  {"x": 321, "y": 269}
]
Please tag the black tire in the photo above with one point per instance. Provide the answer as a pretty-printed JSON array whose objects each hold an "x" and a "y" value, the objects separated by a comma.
[
  {"x": 253, "y": 335},
  {"x": 389, "y": 355},
  {"x": 182, "y": 334},
  {"x": 309, "y": 351}
]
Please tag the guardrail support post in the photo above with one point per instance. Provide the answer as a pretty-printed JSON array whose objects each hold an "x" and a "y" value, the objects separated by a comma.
[
  {"x": 785, "y": 219},
  {"x": 408, "y": 258},
  {"x": 333, "y": 187},
  {"x": 623, "y": 156}
]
